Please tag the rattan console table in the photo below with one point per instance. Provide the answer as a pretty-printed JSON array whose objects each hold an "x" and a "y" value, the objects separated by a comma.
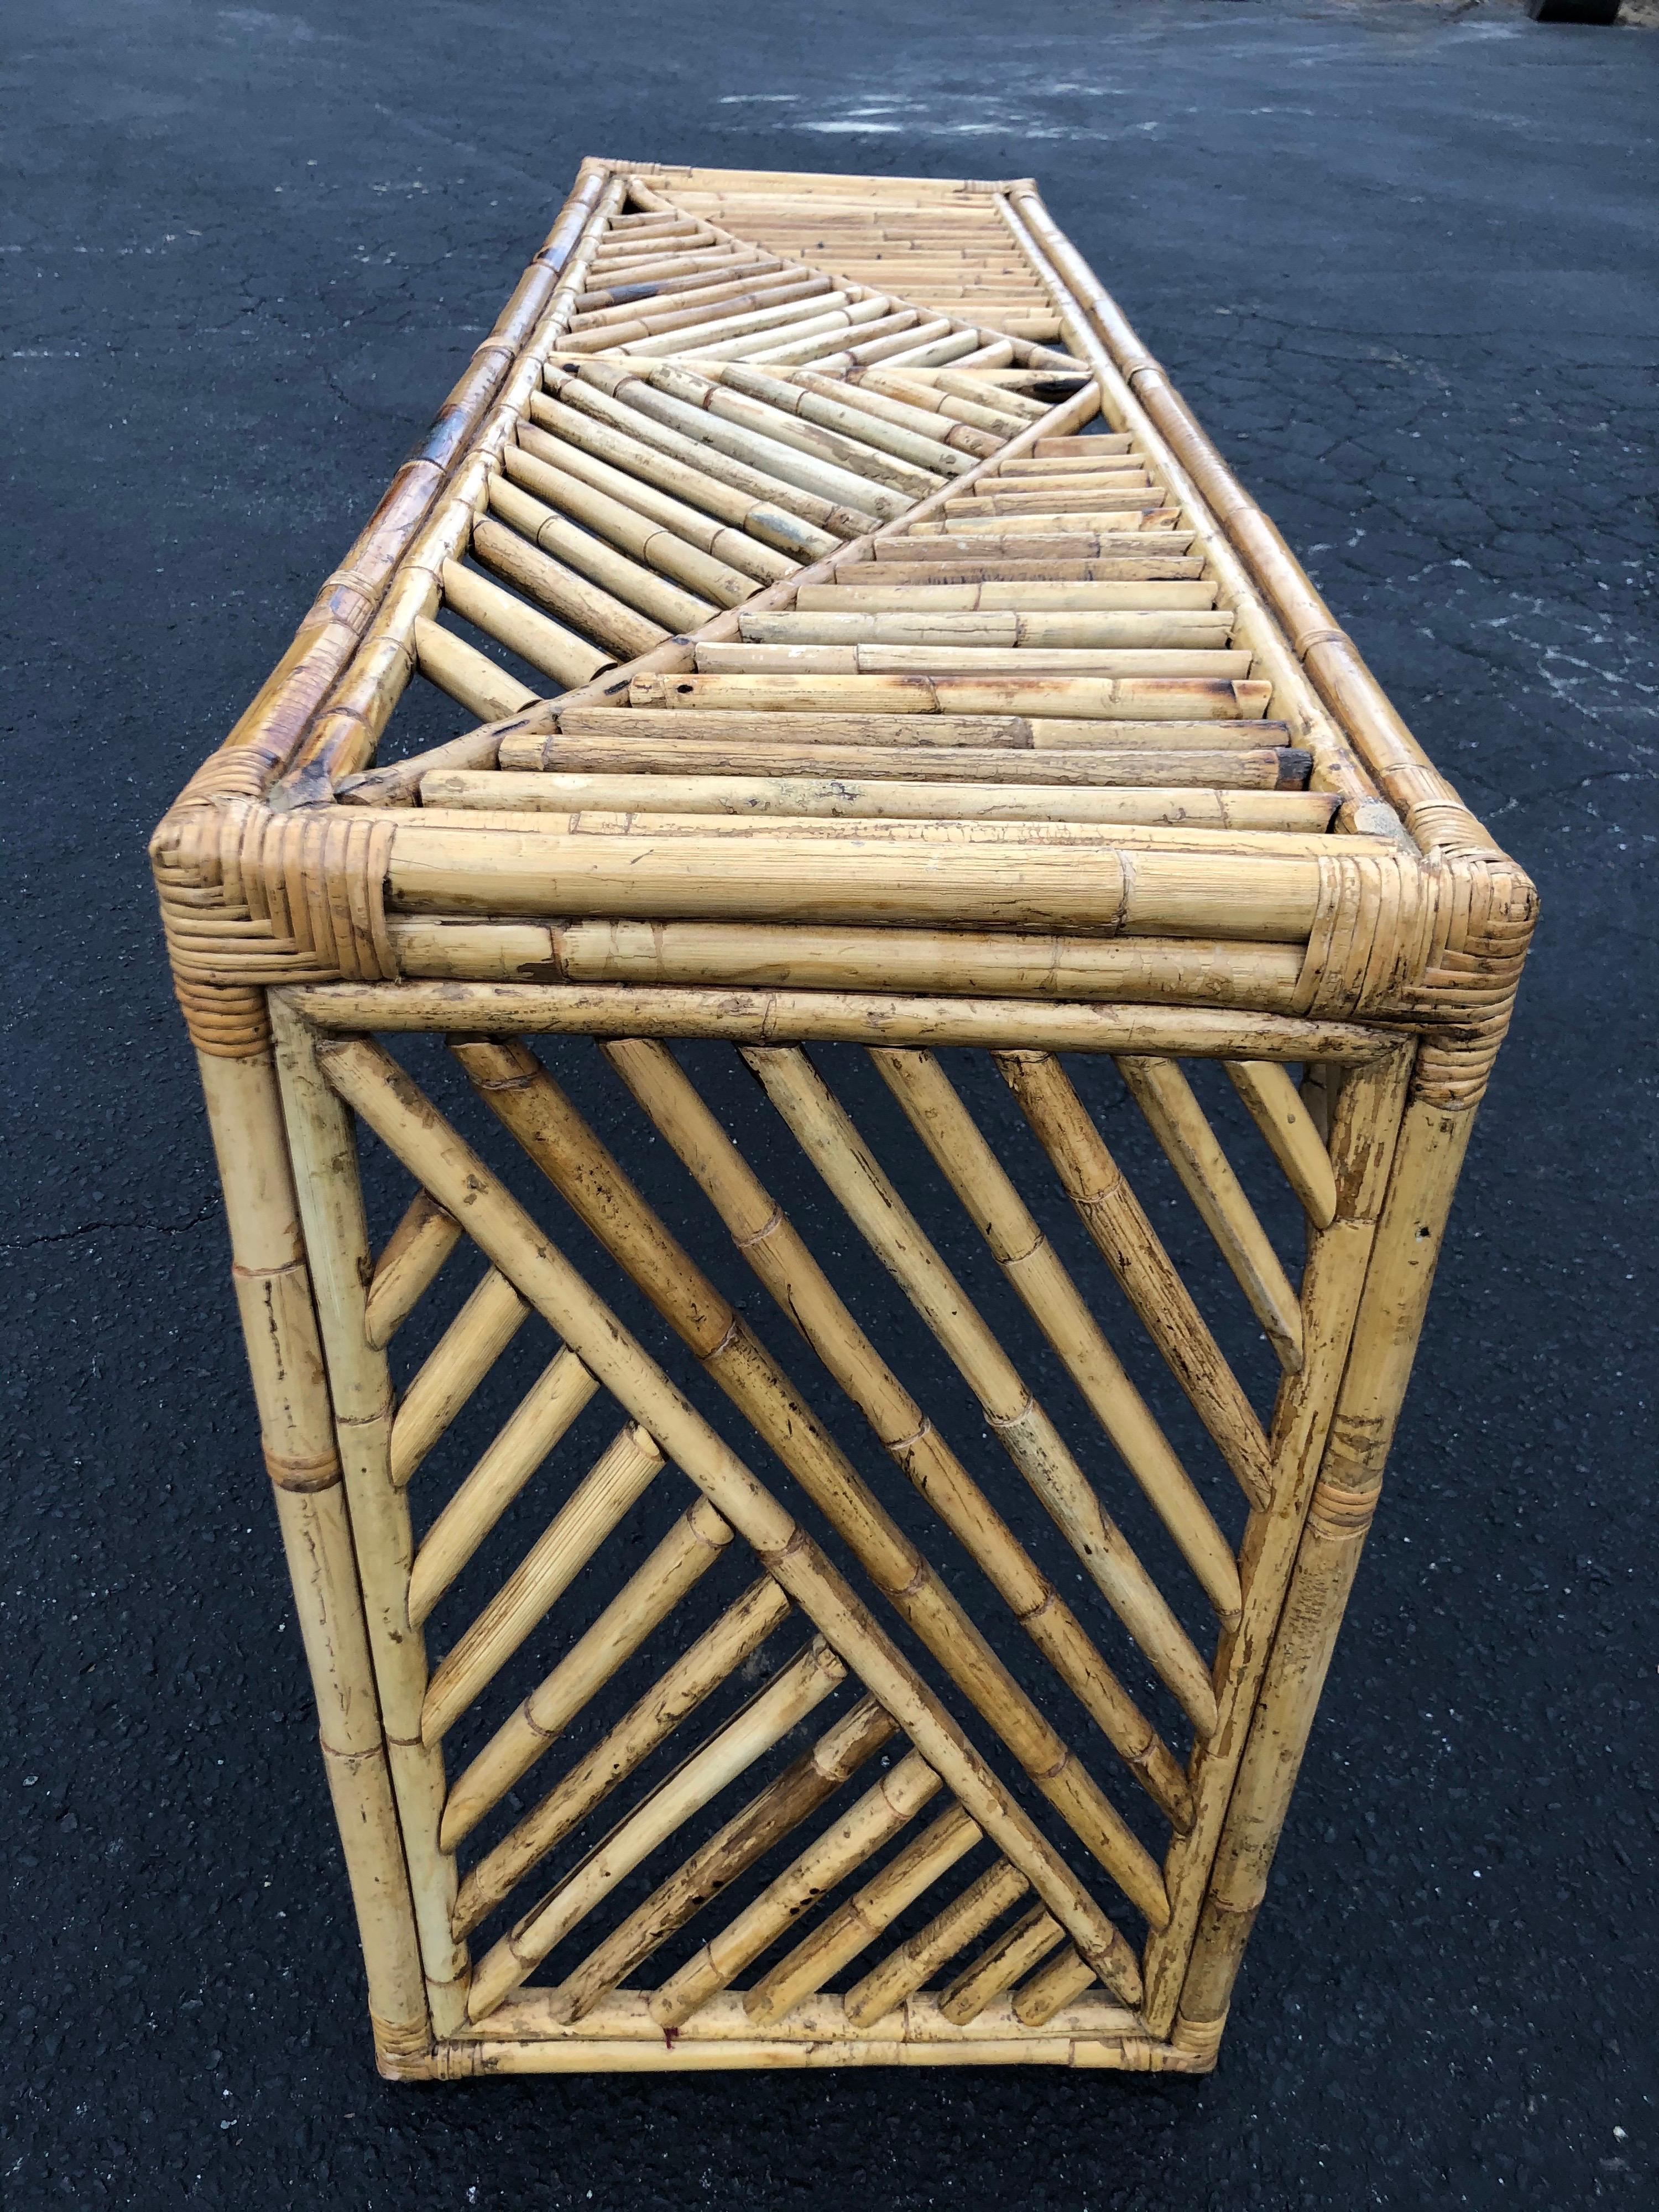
[{"x": 857, "y": 661}]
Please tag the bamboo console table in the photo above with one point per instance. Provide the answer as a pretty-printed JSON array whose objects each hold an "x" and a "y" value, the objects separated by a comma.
[{"x": 861, "y": 663}]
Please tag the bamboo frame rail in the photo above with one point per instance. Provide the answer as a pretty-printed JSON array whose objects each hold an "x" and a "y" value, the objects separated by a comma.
[{"x": 851, "y": 641}]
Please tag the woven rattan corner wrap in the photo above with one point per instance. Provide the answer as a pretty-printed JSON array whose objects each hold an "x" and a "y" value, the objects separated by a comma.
[{"x": 907, "y": 671}]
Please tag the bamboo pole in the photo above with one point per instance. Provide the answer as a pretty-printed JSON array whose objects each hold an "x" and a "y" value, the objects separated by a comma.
[
  {"x": 1076, "y": 556},
  {"x": 665, "y": 603},
  {"x": 780, "y": 1257},
  {"x": 1291, "y": 1137},
  {"x": 959, "y": 1150},
  {"x": 904, "y": 1971},
  {"x": 617, "y": 1481},
  {"x": 980, "y": 875},
  {"x": 1178, "y": 1121},
  {"x": 279, "y": 1328},
  {"x": 545, "y": 644},
  {"x": 1060, "y": 1982},
  {"x": 883, "y": 1810},
  {"x": 764, "y": 1017},
  {"x": 875, "y": 800},
  {"x": 553, "y": 585},
  {"x": 1049, "y": 735},
  {"x": 744, "y": 1839},
  {"x": 840, "y": 1937},
  {"x": 1086, "y": 451},
  {"x": 999, "y": 1967},
  {"x": 685, "y": 1554},
  {"x": 699, "y": 1671},
  {"x": 1100, "y": 495},
  {"x": 1269, "y": 774},
  {"x": 997, "y": 2039},
  {"x": 541, "y": 1417},
  {"x": 967, "y": 662},
  {"x": 785, "y": 1701},
  {"x": 866, "y": 799},
  {"x": 1262, "y": 978},
  {"x": 532, "y": 1106},
  {"x": 469, "y": 677},
  {"x": 944, "y": 198},
  {"x": 826, "y": 1135},
  {"x": 330, "y": 1200},
  {"x": 1140, "y": 628},
  {"x": 452, "y": 1371},
  {"x": 1400, "y": 1275},
  {"x": 1067, "y": 550},
  {"x": 1365, "y": 1128},
  {"x": 587, "y": 419},
  {"x": 1006, "y": 595},
  {"x": 732, "y": 547},
  {"x": 1131, "y": 1247},
  {"x": 856, "y": 831},
  {"x": 384, "y": 1096},
  {"x": 416, "y": 1249},
  {"x": 909, "y": 690},
  {"x": 1093, "y": 457}
]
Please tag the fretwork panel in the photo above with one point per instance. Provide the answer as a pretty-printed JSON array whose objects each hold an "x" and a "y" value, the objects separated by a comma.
[{"x": 668, "y": 1776}]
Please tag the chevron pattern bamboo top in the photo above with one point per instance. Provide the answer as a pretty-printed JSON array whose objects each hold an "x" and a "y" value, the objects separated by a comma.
[{"x": 784, "y": 508}]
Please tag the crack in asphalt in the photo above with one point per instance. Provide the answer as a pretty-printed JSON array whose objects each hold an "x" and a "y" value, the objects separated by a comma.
[{"x": 212, "y": 1211}]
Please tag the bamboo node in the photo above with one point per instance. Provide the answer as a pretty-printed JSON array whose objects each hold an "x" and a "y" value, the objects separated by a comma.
[
  {"x": 1198, "y": 2041},
  {"x": 1021, "y": 1413},
  {"x": 773, "y": 1222},
  {"x": 898, "y": 1444},
  {"x": 305, "y": 1476},
  {"x": 734, "y": 1333},
  {"x": 382, "y": 1413},
  {"x": 1049, "y": 1599}
]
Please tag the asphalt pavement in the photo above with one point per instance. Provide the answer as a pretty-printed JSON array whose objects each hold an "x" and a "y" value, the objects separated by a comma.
[{"x": 1402, "y": 259}]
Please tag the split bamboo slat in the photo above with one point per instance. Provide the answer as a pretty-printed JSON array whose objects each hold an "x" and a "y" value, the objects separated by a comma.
[{"x": 853, "y": 641}]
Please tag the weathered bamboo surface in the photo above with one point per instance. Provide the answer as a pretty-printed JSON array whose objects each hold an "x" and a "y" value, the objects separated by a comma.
[{"x": 858, "y": 662}]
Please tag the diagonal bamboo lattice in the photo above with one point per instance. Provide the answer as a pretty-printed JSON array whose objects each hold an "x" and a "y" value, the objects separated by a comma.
[{"x": 876, "y": 683}]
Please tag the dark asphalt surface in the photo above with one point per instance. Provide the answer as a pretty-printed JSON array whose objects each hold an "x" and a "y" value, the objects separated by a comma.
[{"x": 1401, "y": 258}]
